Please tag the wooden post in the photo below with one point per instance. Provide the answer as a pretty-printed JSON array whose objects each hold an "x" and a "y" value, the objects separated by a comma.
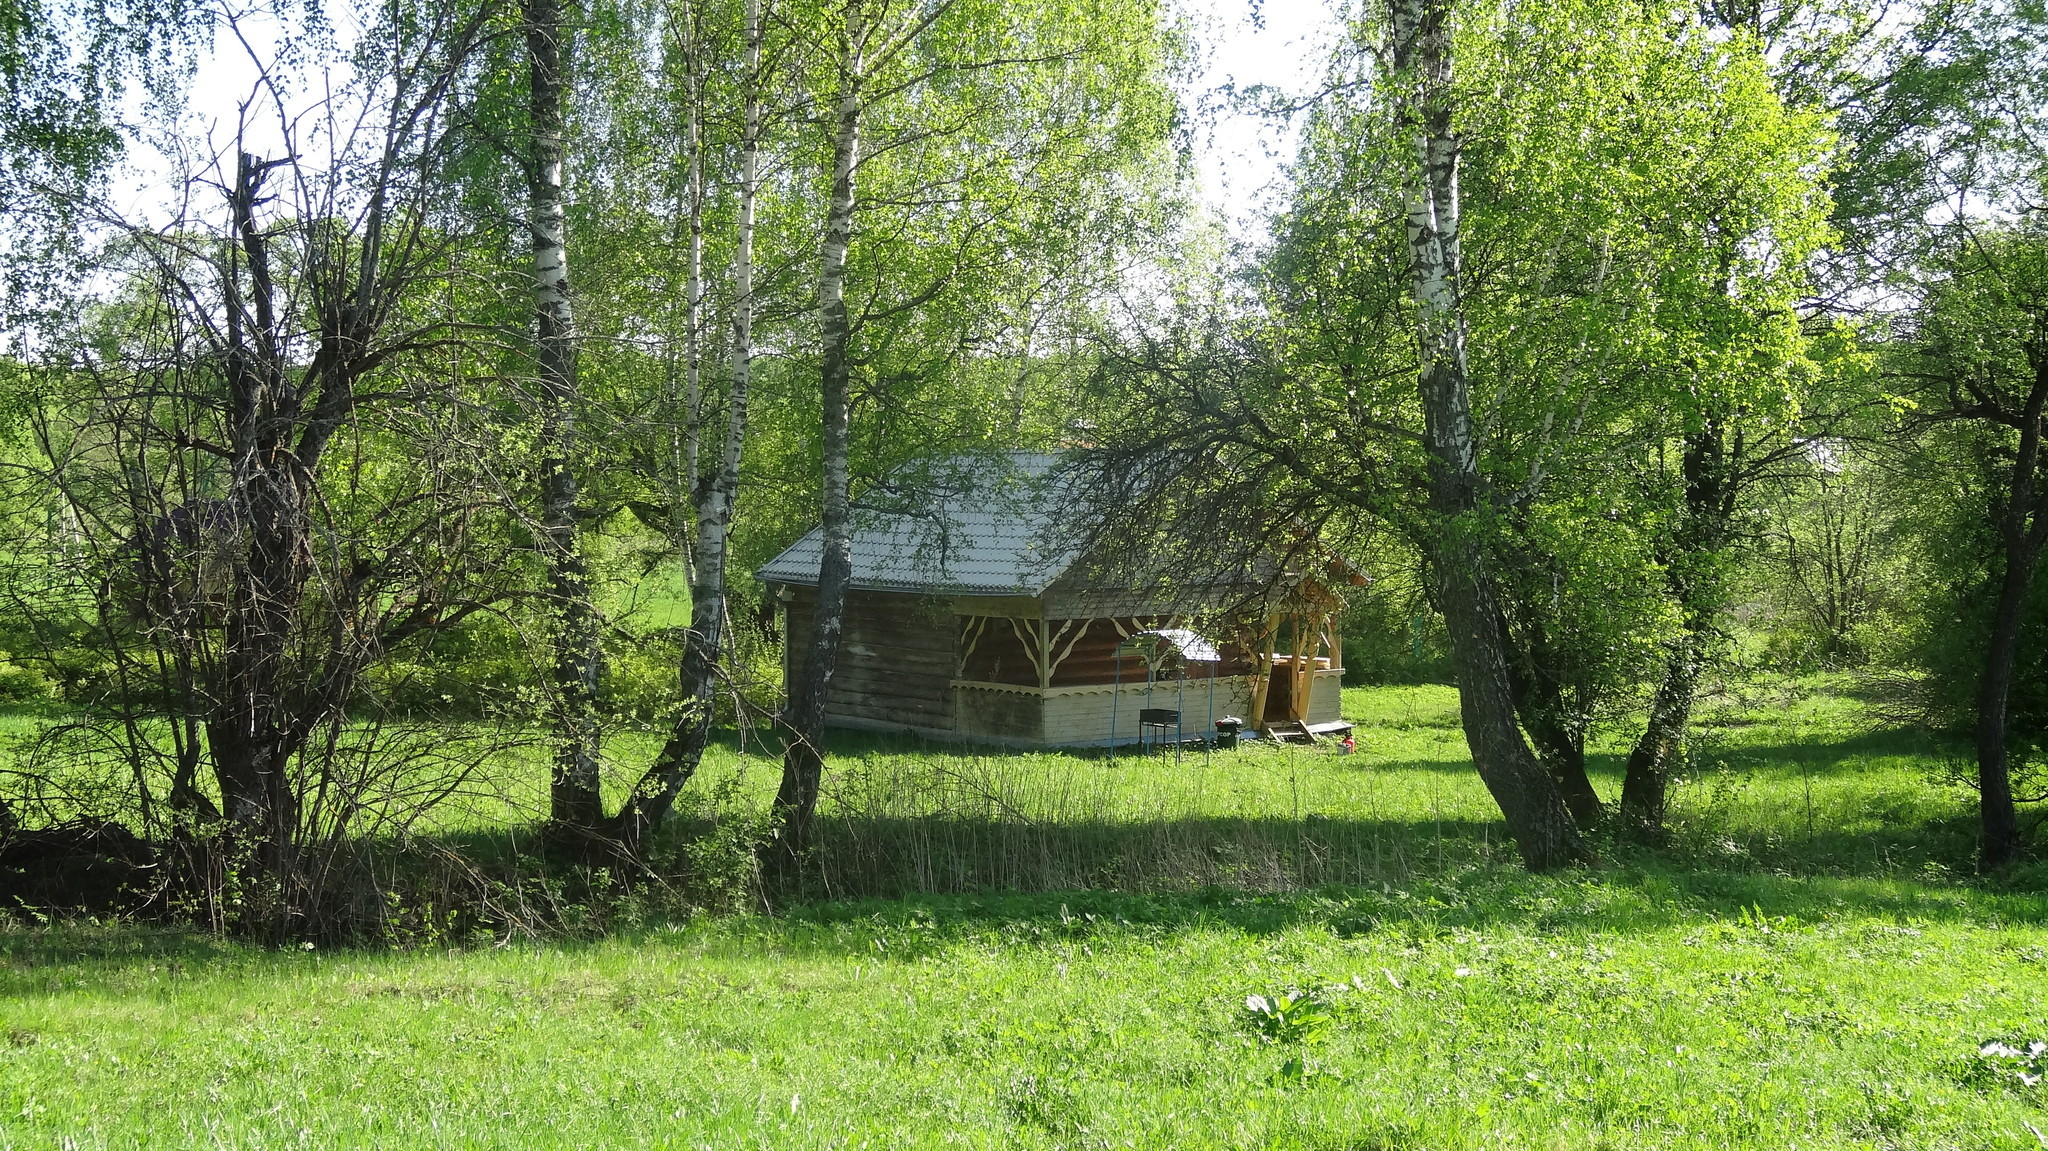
[
  {"x": 1262, "y": 661},
  {"x": 1300, "y": 672},
  {"x": 1044, "y": 652}
]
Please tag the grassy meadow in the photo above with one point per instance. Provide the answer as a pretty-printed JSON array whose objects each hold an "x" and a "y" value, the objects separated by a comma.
[{"x": 1057, "y": 951}]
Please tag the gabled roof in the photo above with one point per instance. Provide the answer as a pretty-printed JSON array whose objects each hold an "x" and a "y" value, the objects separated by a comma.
[{"x": 985, "y": 526}]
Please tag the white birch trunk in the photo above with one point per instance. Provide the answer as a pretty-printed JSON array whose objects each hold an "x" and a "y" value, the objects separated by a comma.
[
  {"x": 1528, "y": 797},
  {"x": 803, "y": 764},
  {"x": 704, "y": 646},
  {"x": 693, "y": 288},
  {"x": 574, "y": 800}
]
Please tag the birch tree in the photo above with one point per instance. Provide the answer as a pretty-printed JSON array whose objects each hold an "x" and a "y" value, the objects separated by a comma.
[
  {"x": 865, "y": 38},
  {"x": 1494, "y": 401},
  {"x": 575, "y": 799},
  {"x": 704, "y": 645},
  {"x": 1528, "y": 797},
  {"x": 1003, "y": 131}
]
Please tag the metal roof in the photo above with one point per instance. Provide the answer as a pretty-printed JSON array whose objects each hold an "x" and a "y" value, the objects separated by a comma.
[{"x": 978, "y": 526}]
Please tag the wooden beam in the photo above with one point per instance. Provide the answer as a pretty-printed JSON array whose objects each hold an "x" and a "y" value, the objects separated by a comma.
[
  {"x": 1028, "y": 635},
  {"x": 1297, "y": 706},
  {"x": 1262, "y": 661},
  {"x": 1054, "y": 664},
  {"x": 971, "y": 629}
]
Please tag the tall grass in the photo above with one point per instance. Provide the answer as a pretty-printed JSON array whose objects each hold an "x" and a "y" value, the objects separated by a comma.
[{"x": 1787, "y": 776}]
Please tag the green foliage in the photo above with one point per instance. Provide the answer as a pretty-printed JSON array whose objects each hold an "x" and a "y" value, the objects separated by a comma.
[
  {"x": 1640, "y": 209},
  {"x": 2018, "y": 1064},
  {"x": 1392, "y": 635},
  {"x": 1836, "y": 576},
  {"x": 1004, "y": 194},
  {"x": 1292, "y": 1017},
  {"x": 1974, "y": 353}
]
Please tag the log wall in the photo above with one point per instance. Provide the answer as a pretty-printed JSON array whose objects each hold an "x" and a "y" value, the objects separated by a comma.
[
  {"x": 901, "y": 666},
  {"x": 1083, "y": 651},
  {"x": 896, "y": 658}
]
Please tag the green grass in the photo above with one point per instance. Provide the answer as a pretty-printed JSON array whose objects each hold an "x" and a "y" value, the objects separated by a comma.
[
  {"x": 1789, "y": 777},
  {"x": 1807, "y": 966}
]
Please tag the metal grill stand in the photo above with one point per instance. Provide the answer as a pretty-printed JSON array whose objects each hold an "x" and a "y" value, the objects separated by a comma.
[{"x": 1177, "y": 647}]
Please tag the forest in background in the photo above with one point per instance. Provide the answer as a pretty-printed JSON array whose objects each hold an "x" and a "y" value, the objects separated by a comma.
[{"x": 430, "y": 419}]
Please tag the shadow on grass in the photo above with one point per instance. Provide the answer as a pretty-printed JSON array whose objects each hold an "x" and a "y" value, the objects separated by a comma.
[
  {"x": 1821, "y": 756},
  {"x": 1471, "y": 889},
  {"x": 932, "y": 878},
  {"x": 1849, "y": 754},
  {"x": 892, "y": 857},
  {"x": 1634, "y": 897}
]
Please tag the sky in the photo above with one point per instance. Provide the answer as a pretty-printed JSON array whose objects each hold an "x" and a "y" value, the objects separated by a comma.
[
  {"x": 1239, "y": 156},
  {"x": 1242, "y": 155}
]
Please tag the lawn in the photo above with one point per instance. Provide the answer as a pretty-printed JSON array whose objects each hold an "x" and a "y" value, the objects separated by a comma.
[{"x": 1807, "y": 966}]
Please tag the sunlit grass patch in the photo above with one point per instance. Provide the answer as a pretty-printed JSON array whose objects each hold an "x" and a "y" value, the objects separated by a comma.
[
  {"x": 1624, "y": 1008},
  {"x": 1809, "y": 965}
]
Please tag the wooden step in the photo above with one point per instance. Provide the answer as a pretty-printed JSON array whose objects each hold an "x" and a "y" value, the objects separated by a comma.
[{"x": 1290, "y": 732}]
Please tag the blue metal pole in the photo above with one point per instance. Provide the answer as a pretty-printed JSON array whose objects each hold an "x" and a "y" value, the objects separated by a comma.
[
  {"x": 1116, "y": 695},
  {"x": 1211, "y": 729}
]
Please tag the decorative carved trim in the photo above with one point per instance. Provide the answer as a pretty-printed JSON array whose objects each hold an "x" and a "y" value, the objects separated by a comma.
[
  {"x": 1028, "y": 634},
  {"x": 1027, "y": 689},
  {"x": 970, "y": 635},
  {"x": 1054, "y": 666}
]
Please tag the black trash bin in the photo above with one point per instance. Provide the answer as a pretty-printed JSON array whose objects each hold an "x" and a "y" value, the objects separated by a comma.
[{"x": 1227, "y": 729}]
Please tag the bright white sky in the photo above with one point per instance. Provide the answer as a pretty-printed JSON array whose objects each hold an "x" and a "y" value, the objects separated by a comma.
[
  {"x": 1277, "y": 43},
  {"x": 1283, "y": 48}
]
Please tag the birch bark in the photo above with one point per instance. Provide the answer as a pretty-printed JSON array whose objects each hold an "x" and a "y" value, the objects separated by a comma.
[
  {"x": 705, "y": 643},
  {"x": 693, "y": 287},
  {"x": 575, "y": 805},
  {"x": 1528, "y": 797},
  {"x": 803, "y": 763}
]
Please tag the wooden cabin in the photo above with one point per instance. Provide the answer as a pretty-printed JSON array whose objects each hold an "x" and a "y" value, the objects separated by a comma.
[{"x": 967, "y": 621}]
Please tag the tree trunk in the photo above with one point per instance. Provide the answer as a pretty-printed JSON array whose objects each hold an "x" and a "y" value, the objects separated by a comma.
[
  {"x": 1561, "y": 749},
  {"x": 1705, "y": 526},
  {"x": 704, "y": 646},
  {"x": 1528, "y": 797},
  {"x": 2023, "y": 529},
  {"x": 1657, "y": 751},
  {"x": 803, "y": 763},
  {"x": 1998, "y": 817},
  {"x": 693, "y": 287},
  {"x": 1559, "y": 738},
  {"x": 575, "y": 805},
  {"x": 249, "y": 727}
]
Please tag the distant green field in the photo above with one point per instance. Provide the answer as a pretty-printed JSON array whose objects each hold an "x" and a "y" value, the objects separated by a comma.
[{"x": 1807, "y": 966}]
